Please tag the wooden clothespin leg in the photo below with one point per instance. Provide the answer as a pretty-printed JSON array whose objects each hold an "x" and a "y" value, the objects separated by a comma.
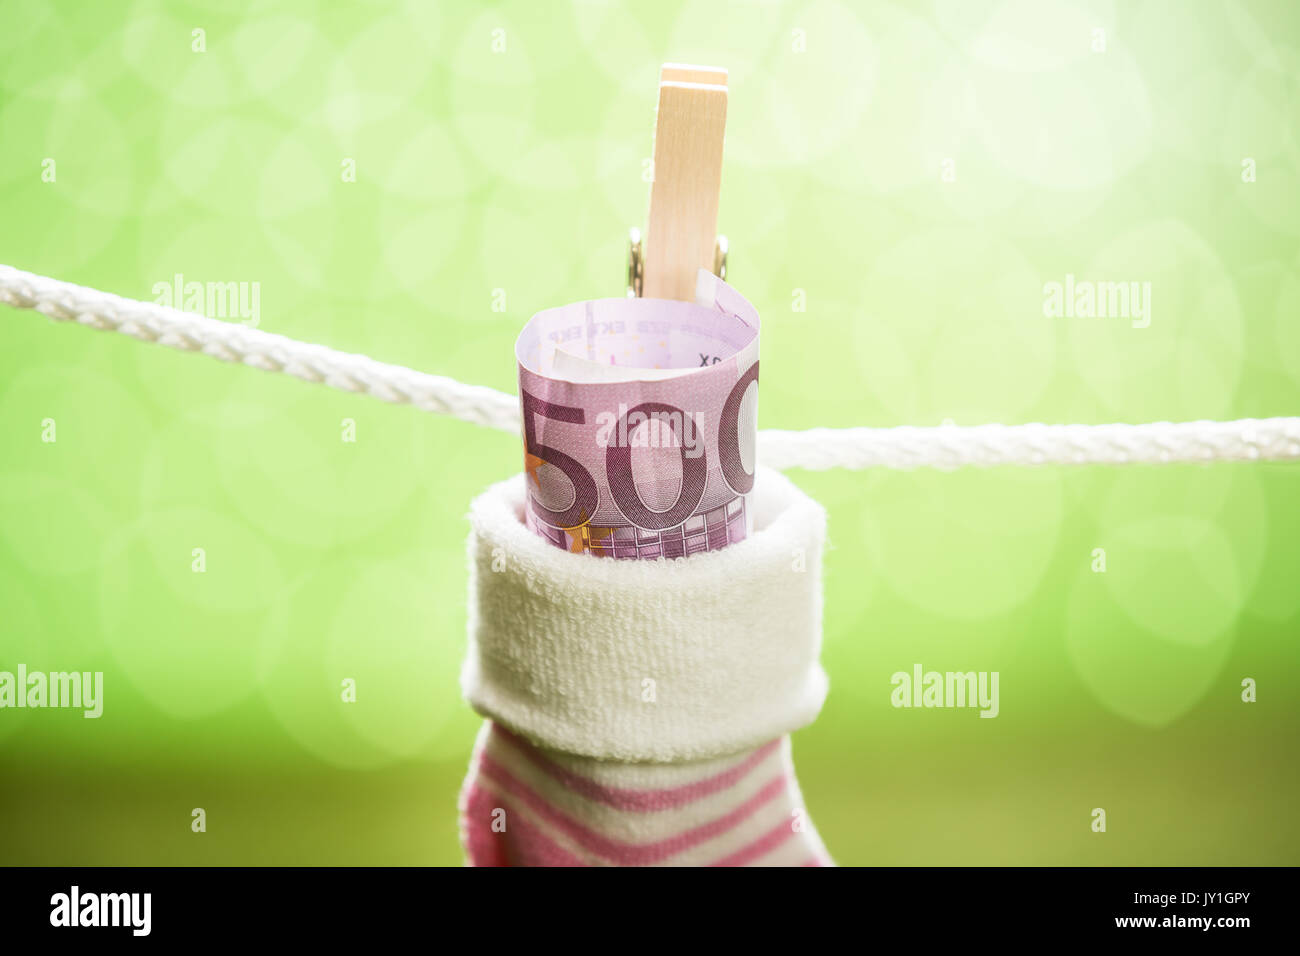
[{"x": 682, "y": 226}]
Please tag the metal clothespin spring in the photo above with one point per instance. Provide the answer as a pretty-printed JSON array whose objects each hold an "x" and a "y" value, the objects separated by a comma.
[{"x": 636, "y": 261}]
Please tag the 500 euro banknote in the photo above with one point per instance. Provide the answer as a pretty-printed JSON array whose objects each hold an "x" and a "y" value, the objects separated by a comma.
[{"x": 640, "y": 422}]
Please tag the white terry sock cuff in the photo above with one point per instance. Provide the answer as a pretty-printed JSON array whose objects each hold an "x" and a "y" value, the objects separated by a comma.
[{"x": 647, "y": 660}]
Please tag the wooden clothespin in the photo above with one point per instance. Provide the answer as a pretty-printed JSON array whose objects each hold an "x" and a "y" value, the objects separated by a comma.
[{"x": 682, "y": 225}]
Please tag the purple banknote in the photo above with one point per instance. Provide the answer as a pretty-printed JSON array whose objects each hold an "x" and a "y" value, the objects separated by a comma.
[{"x": 640, "y": 421}]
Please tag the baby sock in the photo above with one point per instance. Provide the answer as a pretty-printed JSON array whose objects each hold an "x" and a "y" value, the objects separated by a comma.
[
  {"x": 639, "y": 711},
  {"x": 525, "y": 806}
]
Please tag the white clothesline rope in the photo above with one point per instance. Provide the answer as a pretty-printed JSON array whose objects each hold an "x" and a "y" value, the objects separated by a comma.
[{"x": 944, "y": 446}]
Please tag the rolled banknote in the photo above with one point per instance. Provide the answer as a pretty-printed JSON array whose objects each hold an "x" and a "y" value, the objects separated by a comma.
[{"x": 640, "y": 421}]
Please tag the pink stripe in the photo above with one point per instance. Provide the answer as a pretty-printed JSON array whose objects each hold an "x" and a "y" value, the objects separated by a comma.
[
  {"x": 637, "y": 800},
  {"x": 521, "y": 844},
  {"x": 768, "y": 842},
  {"x": 624, "y": 853}
]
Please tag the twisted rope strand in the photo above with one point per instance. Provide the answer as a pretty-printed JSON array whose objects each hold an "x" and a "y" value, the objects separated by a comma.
[
  {"x": 230, "y": 342},
  {"x": 985, "y": 446},
  {"x": 945, "y": 446}
]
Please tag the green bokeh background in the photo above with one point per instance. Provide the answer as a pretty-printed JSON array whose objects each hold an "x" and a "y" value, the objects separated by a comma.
[{"x": 521, "y": 171}]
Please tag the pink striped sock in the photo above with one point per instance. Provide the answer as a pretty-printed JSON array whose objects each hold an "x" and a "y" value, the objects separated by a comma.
[{"x": 523, "y": 805}]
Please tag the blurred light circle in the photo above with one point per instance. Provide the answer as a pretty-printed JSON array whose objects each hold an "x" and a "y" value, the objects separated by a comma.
[
  {"x": 277, "y": 57},
  {"x": 1287, "y": 316},
  {"x": 953, "y": 328},
  {"x": 420, "y": 165},
  {"x": 380, "y": 69},
  {"x": 1186, "y": 361},
  {"x": 1204, "y": 531},
  {"x": 1145, "y": 677},
  {"x": 26, "y": 20},
  {"x": 617, "y": 43},
  {"x": 1036, "y": 36},
  {"x": 1051, "y": 130},
  {"x": 562, "y": 165},
  {"x": 24, "y": 642},
  {"x": 37, "y": 34},
  {"x": 812, "y": 91},
  {"x": 1174, "y": 575},
  {"x": 79, "y": 126},
  {"x": 417, "y": 240},
  {"x": 187, "y": 639},
  {"x": 60, "y": 517},
  {"x": 400, "y": 639},
  {"x": 965, "y": 547},
  {"x": 1276, "y": 596},
  {"x": 924, "y": 109},
  {"x": 529, "y": 244},
  {"x": 160, "y": 48},
  {"x": 67, "y": 166},
  {"x": 738, "y": 35},
  {"x": 380, "y": 627},
  {"x": 212, "y": 163},
  {"x": 300, "y": 184},
  {"x": 1261, "y": 126},
  {"x": 494, "y": 92},
  {"x": 95, "y": 425},
  {"x": 299, "y": 174},
  {"x": 1191, "y": 84},
  {"x": 316, "y": 469}
]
